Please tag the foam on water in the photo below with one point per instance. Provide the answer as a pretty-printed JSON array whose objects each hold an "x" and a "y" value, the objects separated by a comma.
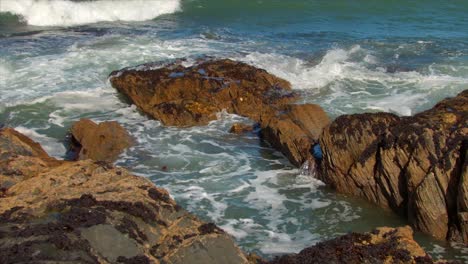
[
  {"x": 66, "y": 13},
  {"x": 356, "y": 73},
  {"x": 51, "y": 145}
]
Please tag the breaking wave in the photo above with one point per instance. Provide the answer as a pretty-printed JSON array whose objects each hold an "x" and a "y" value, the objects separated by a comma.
[{"x": 68, "y": 13}]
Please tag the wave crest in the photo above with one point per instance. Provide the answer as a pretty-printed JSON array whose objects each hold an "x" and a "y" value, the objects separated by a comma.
[{"x": 68, "y": 13}]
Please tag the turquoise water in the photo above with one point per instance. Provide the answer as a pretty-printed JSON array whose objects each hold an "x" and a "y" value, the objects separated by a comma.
[{"x": 347, "y": 56}]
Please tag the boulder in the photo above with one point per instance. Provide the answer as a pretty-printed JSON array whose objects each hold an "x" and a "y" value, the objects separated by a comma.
[
  {"x": 93, "y": 212},
  {"x": 415, "y": 165},
  {"x": 383, "y": 245},
  {"x": 295, "y": 131},
  {"x": 190, "y": 96},
  {"x": 100, "y": 142}
]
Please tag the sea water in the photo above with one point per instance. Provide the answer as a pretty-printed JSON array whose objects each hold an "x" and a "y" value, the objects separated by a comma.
[{"x": 347, "y": 56}]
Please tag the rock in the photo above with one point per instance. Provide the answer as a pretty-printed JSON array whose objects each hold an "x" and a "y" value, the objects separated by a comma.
[
  {"x": 190, "y": 96},
  {"x": 383, "y": 245},
  {"x": 20, "y": 158},
  {"x": 93, "y": 212},
  {"x": 240, "y": 128},
  {"x": 295, "y": 130},
  {"x": 415, "y": 166},
  {"x": 100, "y": 142}
]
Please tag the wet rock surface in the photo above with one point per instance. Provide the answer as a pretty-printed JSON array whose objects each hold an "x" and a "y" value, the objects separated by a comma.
[
  {"x": 415, "y": 165},
  {"x": 383, "y": 245},
  {"x": 93, "y": 212},
  {"x": 295, "y": 131},
  {"x": 100, "y": 142},
  {"x": 189, "y": 96}
]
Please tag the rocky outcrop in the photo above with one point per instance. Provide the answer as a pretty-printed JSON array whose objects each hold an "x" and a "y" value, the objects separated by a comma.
[
  {"x": 20, "y": 159},
  {"x": 383, "y": 245},
  {"x": 100, "y": 142},
  {"x": 188, "y": 96},
  {"x": 295, "y": 130},
  {"x": 413, "y": 165},
  {"x": 91, "y": 212}
]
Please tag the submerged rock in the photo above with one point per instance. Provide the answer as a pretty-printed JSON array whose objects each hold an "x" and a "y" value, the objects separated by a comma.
[
  {"x": 240, "y": 128},
  {"x": 190, "y": 96},
  {"x": 100, "y": 142},
  {"x": 383, "y": 245},
  {"x": 93, "y": 212},
  {"x": 413, "y": 165}
]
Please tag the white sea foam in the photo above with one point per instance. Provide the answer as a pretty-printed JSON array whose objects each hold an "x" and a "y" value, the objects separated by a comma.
[
  {"x": 52, "y": 146},
  {"x": 66, "y": 13},
  {"x": 356, "y": 73}
]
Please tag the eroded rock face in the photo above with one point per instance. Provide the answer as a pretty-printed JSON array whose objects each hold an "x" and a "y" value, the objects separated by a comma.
[
  {"x": 189, "y": 96},
  {"x": 92, "y": 212},
  {"x": 383, "y": 245},
  {"x": 100, "y": 142},
  {"x": 295, "y": 130},
  {"x": 413, "y": 165}
]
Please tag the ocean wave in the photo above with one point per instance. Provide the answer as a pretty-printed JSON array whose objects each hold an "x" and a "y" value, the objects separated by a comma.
[
  {"x": 342, "y": 74},
  {"x": 68, "y": 13}
]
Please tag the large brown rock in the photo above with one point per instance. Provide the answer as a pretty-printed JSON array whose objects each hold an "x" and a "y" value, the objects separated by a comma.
[
  {"x": 92, "y": 212},
  {"x": 189, "y": 96},
  {"x": 295, "y": 130},
  {"x": 100, "y": 142},
  {"x": 383, "y": 245},
  {"x": 413, "y": 165}
]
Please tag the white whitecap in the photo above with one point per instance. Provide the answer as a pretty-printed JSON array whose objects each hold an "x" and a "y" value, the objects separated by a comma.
[
  {"x": 51, "y": 145},
  {"x": 67, "y": 13}
]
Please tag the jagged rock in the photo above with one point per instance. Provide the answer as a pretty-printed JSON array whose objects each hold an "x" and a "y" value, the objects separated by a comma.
[
  {"x": 413, "y": 165},
  {"x": 100, "y": 142},
  {"x": 240, "y": 128},
  {"x": 295, "y": 130},
  {"x": 189, "y": 96},
  {"x": 20, "y": 158},
  {"x": 93, "y": 212},
  {"x": 383, "y": 245}
]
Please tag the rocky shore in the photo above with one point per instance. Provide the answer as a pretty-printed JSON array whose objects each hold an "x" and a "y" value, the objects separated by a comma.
[
  {"x": 415, "y": 166},
  {"x": 90, "y": 211}
]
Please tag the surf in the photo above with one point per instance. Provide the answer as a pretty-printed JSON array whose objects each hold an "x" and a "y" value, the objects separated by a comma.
[{"x": 69, "y": 13}]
